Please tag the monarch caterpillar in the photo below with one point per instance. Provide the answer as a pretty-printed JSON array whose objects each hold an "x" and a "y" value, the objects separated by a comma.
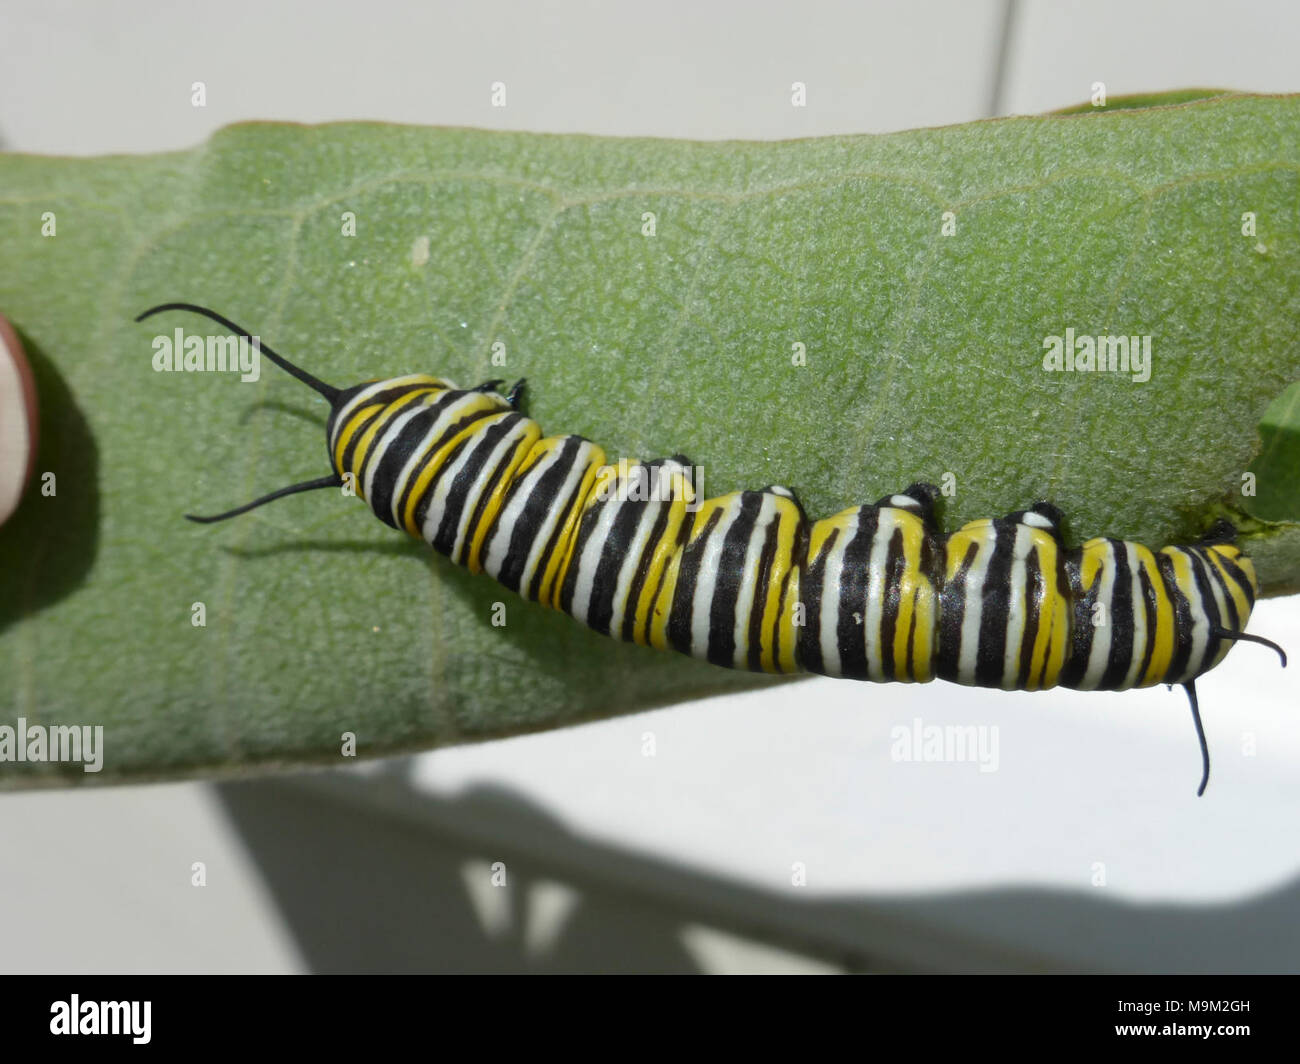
[{"x": 747, "y": 581}]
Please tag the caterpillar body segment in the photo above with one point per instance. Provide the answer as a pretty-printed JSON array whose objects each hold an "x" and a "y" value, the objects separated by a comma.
[{"x": 746, "y": 580}]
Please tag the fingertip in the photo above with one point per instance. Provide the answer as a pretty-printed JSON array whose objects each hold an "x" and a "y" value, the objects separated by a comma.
[{"x": 19, "y": 426}]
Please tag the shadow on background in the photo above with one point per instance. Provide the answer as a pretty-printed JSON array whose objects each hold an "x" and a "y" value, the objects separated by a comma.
[
  {"x": 362, "y": 893},
  {"x": 372, "y": 875},
  {"x": 50, "y": 542}
]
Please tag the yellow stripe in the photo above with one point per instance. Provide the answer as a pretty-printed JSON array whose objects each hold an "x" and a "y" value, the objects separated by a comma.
[
  {"x": 768, "y": 598},
  {"x": 679, "y": 494},
  {"x": 438, "y": 460},
  {"x": 367, "y": 440},
  {"x": 346, "y": 433},
  {"x": 1239, "y": 598},
  {"x": 513, "y": 462},
  {"x": 789, "y": 637},
  {"x": 821, "y": 531},
  {"x": 979, "y": 533},
  {"x": 1051, "y": 639},
  {"x": 1184, "y": 580},
  {"x": 663, "y": 602},
  {"x": 915, "y": 600},
  {"x": 1096, "y": 553},
  {"x": 1162, "y": 639},
  {"x": 597, "y": 475}
]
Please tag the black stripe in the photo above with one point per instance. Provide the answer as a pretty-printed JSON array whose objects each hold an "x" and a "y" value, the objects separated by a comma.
[
  {"x": 932, "y": 567},
  {"x": 729, "y": 579},
  {"x": 387, "y": 398},
  {"x": 1183, "y": 620},
  {"x": 485, "y": 496},
  {"x": 527, "y": 522},
  {"x": 586, "y": 525},
  {"x": 1035, "y": 597},
  {"x": 995, "y": 614},
  {"x": 1082, "y": 630},
  {"x": 1209, "y": 607},
  {"x": 1238, "y": 576},
  {"x": 679, "y": 620},
  {"x": 683, "y": 536},
  {"x": 445, "y": 461},
  {"x": 854, "y": 589},
  {"x": 895, "y": 570},
  {"x": 613, "y": 556},
  {"x": 423, "y": 503},
  {"x": 467, "y": 478},
  {"x": 643, "y": 570},
  {"x": 798, "y": 563},
  {"x": 536, "y": 505},
  {"x": 393, "y": 459},
  {"x": 576, "y": 501},
  {"x": 1120, "y": 617},
  {"x": 810, "y": 595},
  {"x": 762, "y": 590},
  {"x": 952, "y": 614},
  {"x": 384, "y": 397},
  {"x": 1230, "y": 620},
  {"x": 1151, "y": 611}
]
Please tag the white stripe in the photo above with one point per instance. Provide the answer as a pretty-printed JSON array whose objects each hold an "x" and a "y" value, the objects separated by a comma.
[
  {"x": 662, "y": 484},
  {"x": 380, "y": 445},
  {"x": 438, "y": 503},
  {"x": 973, "y": 611},
  {"x": 1140, "y": 633},
  {"x": 495, "y": 555},
  {"x": 830, "y": 609},
  {"x": 421, "y": 451},
  {"x": 508, "y": 442},
  {"x": 873, "y": 622},
  {"x": 591, "y": 552},
  {"x": 1099, "y": 653},
  {"x": 702, "y": 600},
  {"x": 1201, "y": 631},
  {"x": 745, "y": 600},
  {"x": 417, "y": 455},
  {"x": 445, "y": 420},
  {"x": 1017, "y": 615},
  {"x": 631, "y": 560},
  {"x": 581, "y": 463},
  {"x": 362, "y": 398}
]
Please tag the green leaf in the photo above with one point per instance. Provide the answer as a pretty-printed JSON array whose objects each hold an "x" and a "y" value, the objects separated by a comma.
[
  {"x": 1138, "y": 101},
  {"x": 924, "y": 358},
  {"x": 1277, "y": 466}
]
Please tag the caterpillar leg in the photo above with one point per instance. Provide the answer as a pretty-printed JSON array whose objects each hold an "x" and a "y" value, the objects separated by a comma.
[
  {"x": 1043, "y": 515},
  {"x": 917, "y": 499}
]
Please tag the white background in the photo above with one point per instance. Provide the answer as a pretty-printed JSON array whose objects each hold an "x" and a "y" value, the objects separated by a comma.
[{"x": 683, "y": 861}]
